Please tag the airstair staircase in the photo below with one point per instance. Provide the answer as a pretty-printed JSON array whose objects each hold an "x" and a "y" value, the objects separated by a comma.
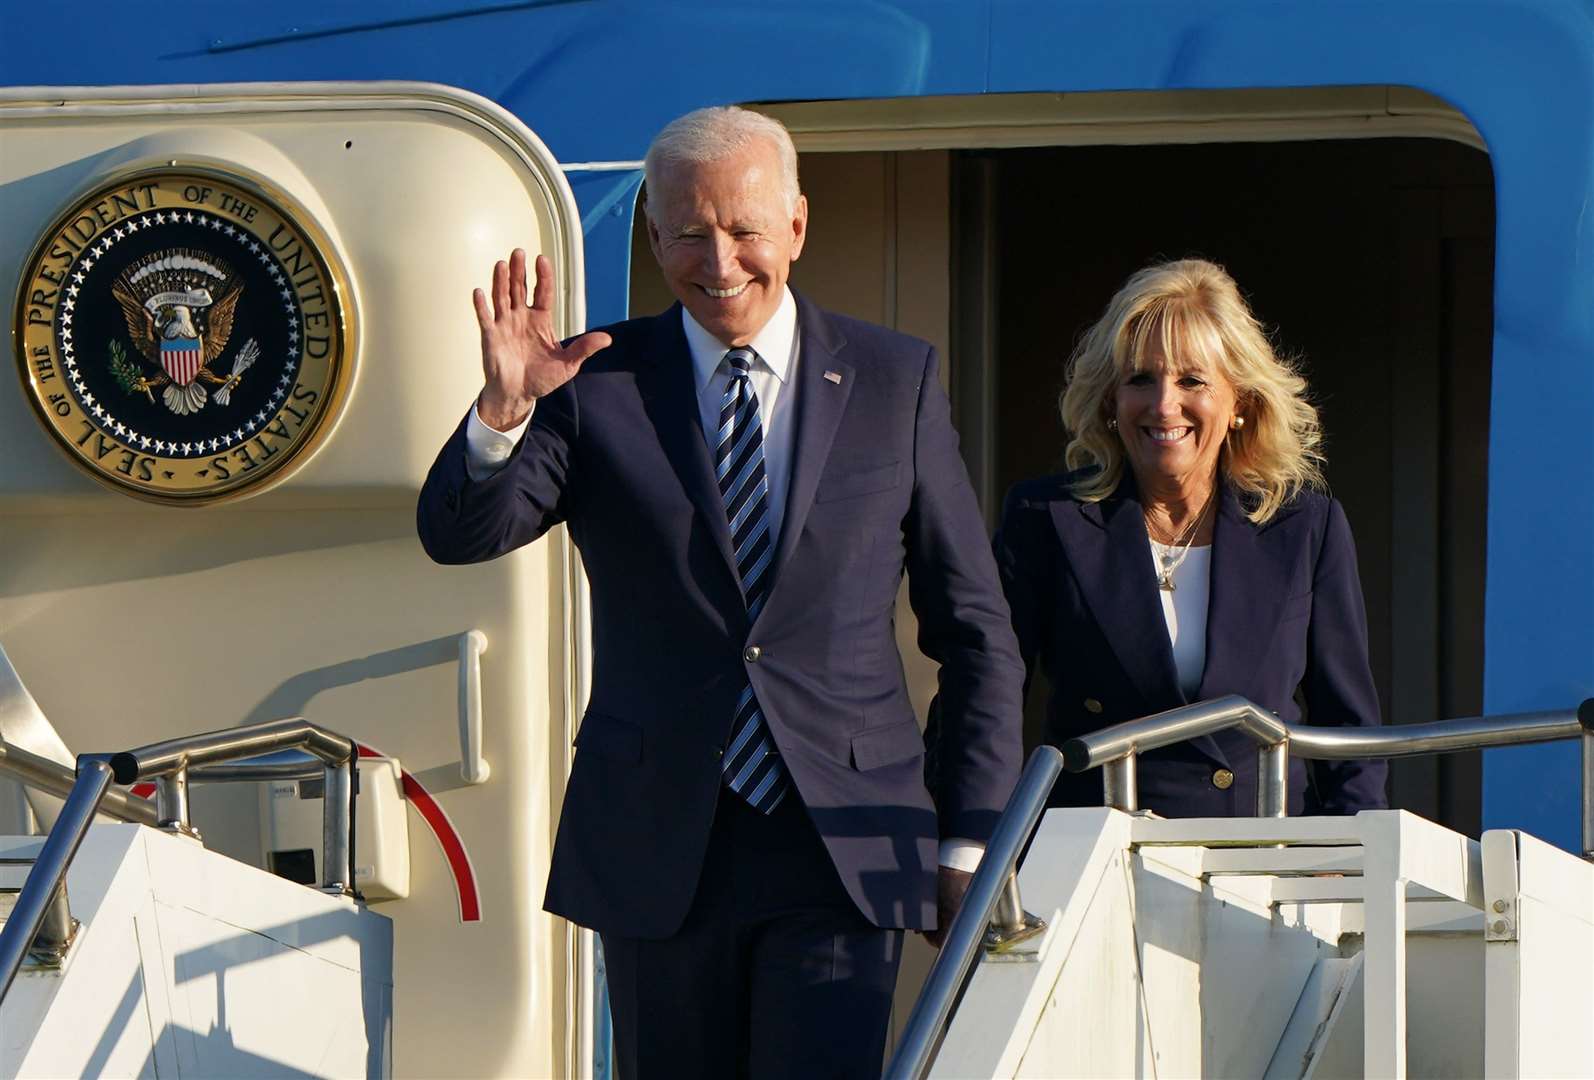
[
  {"x": 187, "y": 963},
  {"x": 1375, "y": 946},
  {"x": 159, "y": 957},
  {"x": 1379, "y": 945}
]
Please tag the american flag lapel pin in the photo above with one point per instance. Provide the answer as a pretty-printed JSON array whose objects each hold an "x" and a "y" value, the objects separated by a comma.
[{"x": 833, "y": 376}]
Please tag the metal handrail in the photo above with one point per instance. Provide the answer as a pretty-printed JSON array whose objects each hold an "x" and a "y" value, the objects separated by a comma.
[
  {"x": 56, "y": 779},
  {"x": 1114, "y": 749},
  {"x": 230, "y": 744},
  {"x": 168, "y": 763},
  {"x": 961, "y": 949},
  {"x": 260, "y": 771},
  {"x": 44, "y": 892},
  {"x": 1439, "y": 737}
]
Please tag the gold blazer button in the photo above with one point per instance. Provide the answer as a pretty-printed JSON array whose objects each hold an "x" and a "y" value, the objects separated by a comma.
[
  {"x": 1092, "y": 705},
  {"x": 1223, "y": 779}
]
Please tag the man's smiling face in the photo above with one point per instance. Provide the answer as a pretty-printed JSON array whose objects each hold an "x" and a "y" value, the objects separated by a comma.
[{"x": 725, "y": 238}]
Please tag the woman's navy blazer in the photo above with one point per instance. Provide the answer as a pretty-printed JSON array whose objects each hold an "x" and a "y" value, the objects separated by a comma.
[{"x": 1286, "y": 628}]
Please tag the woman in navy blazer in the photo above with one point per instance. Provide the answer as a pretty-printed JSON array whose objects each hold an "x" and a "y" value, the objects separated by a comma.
[{"x": 1190, "y": 552}]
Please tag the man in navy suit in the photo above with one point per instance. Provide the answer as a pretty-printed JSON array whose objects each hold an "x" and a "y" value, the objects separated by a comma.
[{"x": 747, "y": 477}]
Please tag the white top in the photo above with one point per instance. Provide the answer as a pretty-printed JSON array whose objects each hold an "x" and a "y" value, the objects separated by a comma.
[{"x": 1185, "y": 611}]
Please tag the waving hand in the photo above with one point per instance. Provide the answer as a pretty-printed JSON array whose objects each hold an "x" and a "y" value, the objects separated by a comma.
[{"x": 522, "y": 359}]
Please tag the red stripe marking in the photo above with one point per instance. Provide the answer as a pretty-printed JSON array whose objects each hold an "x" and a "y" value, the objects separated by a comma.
[
  {"x": 144, "y": 790},
  {"x": 181, "y": 361},
  {"x": 447, "y": 838}
]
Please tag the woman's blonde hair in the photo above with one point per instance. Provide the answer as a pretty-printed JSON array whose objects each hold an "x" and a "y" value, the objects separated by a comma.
[{"x": 1194, "y": 311}]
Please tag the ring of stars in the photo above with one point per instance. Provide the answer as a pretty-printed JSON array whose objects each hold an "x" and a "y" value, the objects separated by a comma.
[{"x": 128, "y": 435}]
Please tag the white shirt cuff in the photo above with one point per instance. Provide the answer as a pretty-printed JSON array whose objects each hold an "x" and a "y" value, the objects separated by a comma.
[
  {"x": 487, "y": 449},
  {"x": 961, "y": 854}
]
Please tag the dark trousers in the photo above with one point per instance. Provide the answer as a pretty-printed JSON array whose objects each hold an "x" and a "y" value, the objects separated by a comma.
[{"x": 775, "y": 973}]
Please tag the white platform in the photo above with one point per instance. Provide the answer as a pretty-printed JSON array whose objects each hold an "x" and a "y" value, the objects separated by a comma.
[{"x": 1375, "y": 946}]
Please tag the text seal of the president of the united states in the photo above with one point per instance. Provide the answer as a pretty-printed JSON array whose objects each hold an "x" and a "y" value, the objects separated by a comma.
[{"x": 182, "y": 334}]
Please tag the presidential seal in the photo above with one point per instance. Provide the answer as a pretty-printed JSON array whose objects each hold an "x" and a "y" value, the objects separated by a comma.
[{"x": 181, "y": 334}]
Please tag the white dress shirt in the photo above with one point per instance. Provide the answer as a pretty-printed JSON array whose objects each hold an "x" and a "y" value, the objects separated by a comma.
[
  {"x": 487, "y": 449},
  {"x": 771, "y": 375}
]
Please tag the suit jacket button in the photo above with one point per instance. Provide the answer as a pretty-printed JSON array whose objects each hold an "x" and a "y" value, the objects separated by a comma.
[
  {"x": 1092, "y": 705},
  {"x": 752, "y": 653},
  {"x": 1223, "y": 779}
]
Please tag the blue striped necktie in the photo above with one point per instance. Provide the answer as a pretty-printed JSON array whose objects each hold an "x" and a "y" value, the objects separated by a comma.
[{"x": 751, "y": 766}]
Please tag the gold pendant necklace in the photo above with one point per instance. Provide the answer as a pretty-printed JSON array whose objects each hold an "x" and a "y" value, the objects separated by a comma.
[
  {"x": 1165, "y": 576},
  {"x": 1179, "y": 550}
]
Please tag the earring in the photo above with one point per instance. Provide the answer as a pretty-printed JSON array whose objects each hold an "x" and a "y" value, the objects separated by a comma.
[
  {"x": 1112, "y": 423},
  {"x": 1237, "y": 423}
]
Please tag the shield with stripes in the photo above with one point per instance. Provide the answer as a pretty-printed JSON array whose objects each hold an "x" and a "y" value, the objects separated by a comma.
[{"x": 181, "y": 358}]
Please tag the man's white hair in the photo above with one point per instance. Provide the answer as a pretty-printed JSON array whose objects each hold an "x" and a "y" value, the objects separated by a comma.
[{"x": 717, "y": 132}]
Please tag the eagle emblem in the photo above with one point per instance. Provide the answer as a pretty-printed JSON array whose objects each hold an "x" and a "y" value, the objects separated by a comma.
[
  {"x": 181, "y": 334},
  {"x": 179, "y": 306}
]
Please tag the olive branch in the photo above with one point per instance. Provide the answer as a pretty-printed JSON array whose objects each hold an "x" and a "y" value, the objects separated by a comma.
[{"x": 125, "y": 372}]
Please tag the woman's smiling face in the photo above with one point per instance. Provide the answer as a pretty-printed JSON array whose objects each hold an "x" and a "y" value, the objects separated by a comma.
[{"x": 1173, "y": 418}]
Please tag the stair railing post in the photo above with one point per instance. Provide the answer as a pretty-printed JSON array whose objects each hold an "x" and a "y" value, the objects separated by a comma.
[
  {"x": 337, "y": 829},
  {"x": 1273, "y": 779},
  {"x": 1119, "y": 784},
  {"x": 171, "y": 802},
  {"x": 56, "y": 932},
  {"x": 1588, "y": 795}
]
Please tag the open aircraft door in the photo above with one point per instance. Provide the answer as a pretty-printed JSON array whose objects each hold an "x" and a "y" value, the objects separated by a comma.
[{"x": 242, "y": 328}]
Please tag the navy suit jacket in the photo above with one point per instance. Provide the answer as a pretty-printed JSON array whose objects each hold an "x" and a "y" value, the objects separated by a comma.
[
  {"x": 1285, "y": 625},
  {"x": 877, "y": 486}
]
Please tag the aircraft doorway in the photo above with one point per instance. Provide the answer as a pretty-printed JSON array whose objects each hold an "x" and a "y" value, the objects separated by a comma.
[
  {"x": 1372, "y": 261},
  {"x": 982, "y": 228}
]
